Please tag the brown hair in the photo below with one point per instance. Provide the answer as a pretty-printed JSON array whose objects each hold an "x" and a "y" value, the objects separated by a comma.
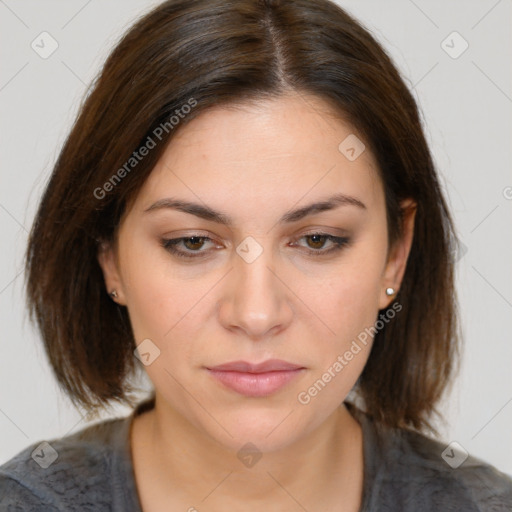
[{"x": 207, "y": 53}]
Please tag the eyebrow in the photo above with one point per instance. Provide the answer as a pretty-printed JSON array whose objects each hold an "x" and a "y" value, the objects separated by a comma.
[{"x": 207, "y": 213}]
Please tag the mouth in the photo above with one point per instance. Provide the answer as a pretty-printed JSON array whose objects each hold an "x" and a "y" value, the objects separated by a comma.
[{"x": 256, "y": 380}]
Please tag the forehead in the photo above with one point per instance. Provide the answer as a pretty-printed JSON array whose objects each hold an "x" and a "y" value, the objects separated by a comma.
[{"x": 282, "y": 149}]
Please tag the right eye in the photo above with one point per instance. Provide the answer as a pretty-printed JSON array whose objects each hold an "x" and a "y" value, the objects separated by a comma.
[{"x": 192, "y": 245}]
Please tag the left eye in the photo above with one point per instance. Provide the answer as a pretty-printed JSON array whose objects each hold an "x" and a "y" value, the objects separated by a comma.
[
  {"x": 318, "y": 241},
  {"x": 193, "y": 244}
]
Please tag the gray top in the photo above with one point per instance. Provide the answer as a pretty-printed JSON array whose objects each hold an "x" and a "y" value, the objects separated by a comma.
[{"x": 403, "y": 471}]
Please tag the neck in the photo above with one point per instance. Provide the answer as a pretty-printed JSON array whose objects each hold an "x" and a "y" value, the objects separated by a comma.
[{"x": 325, "y": 465}]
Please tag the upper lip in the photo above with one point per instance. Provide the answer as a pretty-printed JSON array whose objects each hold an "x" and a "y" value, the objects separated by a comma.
[{"x": 270, "y": 365}]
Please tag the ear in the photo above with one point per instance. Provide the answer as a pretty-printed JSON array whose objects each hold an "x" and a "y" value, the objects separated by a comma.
[
  {"x": 398, "y": 254},
  {"x": 109, "y": 265}
]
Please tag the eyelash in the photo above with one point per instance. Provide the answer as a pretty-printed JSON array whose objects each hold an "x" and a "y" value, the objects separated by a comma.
[{"x": 170, "y": 245}]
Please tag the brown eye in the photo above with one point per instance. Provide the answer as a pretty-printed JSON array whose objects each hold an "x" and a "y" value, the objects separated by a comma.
[
  {"x": 187, "y": 247},
  {"x": 315, "y": 243},
  {"x": 194, "y": 242},
  {"x": 318, "y": 240}
]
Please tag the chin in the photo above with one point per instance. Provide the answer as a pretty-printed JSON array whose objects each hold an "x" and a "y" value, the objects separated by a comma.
[{"x": 268, "y": 431}]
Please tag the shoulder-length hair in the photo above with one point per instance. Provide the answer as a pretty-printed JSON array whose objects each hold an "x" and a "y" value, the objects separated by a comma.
[{"x": 205, "y": 53}]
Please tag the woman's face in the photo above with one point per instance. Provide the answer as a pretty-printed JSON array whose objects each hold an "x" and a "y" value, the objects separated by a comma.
[{"x": 268, "y": 276}]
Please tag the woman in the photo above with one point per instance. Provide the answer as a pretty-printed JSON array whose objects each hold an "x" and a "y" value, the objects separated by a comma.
[{"x": 247, "y": 207}]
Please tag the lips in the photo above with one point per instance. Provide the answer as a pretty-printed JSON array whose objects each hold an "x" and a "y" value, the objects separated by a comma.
[
  {"x": 255, "y": 380},
  {"x": 270, "y": 365}
]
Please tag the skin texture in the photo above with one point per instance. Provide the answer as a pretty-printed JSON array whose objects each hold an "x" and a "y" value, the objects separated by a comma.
[{"x": 254, "y": 163}]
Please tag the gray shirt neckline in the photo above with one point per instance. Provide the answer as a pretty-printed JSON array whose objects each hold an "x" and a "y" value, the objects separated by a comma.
[
  {"x": 123, "y": 471},
  {"x": 403, "y": 470}
]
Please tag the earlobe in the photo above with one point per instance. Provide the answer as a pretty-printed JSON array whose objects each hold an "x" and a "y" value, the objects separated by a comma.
[
  {"x": 107, "y": 261},
  {"x": 398, "y": 256}
]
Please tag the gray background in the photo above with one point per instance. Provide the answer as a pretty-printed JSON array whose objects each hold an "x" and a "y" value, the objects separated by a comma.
[{"x": 466, "y": 104}]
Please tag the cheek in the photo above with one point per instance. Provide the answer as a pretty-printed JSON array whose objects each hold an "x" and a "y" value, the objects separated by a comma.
[
  {"x": 340, "y": 358},
  {"x": 162, "y": 308},
  {"x": 156, "y": 300},
  {"x": 348, "y": 298},
  {"x": 166, "y": 307},
  {"x": 355, "y": 306},
  {"x": 348, "y": 304}
]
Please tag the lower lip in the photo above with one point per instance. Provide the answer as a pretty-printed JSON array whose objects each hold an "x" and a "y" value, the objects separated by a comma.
[{"x": 255, "y": 384}]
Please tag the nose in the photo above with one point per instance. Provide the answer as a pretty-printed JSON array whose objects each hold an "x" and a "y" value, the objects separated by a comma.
[{"x": 255, "y": 299}]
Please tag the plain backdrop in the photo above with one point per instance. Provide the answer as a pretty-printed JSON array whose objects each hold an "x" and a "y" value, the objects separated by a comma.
[{"x": 465, "y": 96}]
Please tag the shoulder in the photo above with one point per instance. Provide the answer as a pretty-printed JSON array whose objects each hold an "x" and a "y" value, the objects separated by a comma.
[
  {"x": 410, "y": 471},
  {"x": 68, "y": 473},
  {"x": 451, "y": 476}
]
